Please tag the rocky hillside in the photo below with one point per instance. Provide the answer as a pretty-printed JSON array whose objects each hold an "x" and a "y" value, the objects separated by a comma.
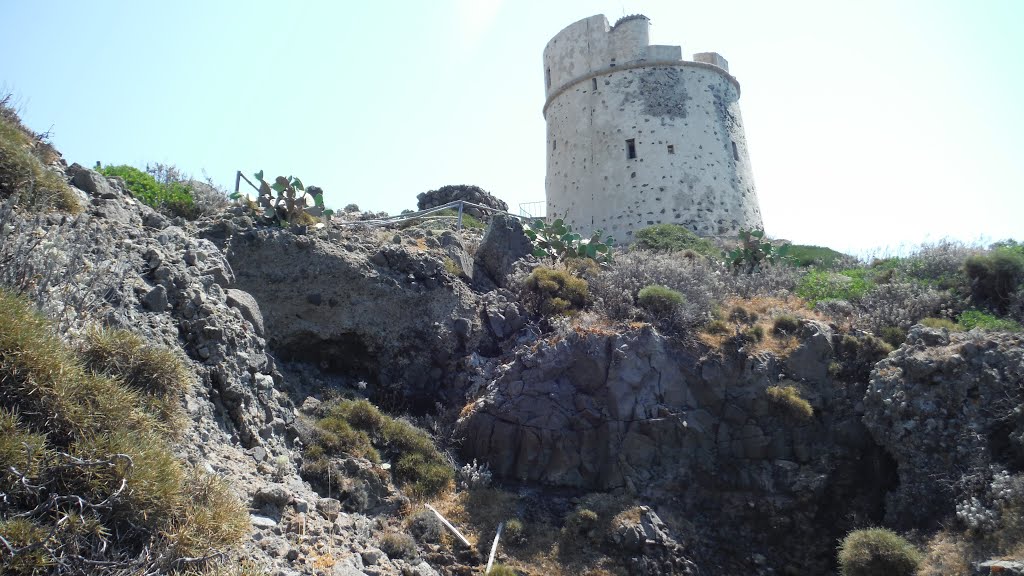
[{"x": 332, "y": 382}]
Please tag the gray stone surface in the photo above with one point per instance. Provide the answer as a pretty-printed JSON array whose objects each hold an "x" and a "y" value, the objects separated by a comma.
[
  {"x": 944, "y": 405},
  {"x": 504, "y": 243}
]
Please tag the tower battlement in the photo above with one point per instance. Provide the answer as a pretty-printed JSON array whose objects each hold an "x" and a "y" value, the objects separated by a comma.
[{"x": 638, "y": 136}]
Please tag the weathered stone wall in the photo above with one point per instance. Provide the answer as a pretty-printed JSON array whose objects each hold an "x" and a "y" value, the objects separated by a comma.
[{"x": 637, "y": 136}]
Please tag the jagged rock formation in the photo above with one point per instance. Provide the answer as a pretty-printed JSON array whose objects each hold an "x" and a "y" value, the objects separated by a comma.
[
  {"x": 630, "y": 410},
  {"x": 391, "y": 314},
  {"x": 466, "y": 193},
  {"x": 946, "y": 406},
  {"x": 691, "y": 431}
]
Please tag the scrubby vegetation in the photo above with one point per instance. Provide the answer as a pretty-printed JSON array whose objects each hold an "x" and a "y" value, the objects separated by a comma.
[
  {"x": 25, "y": 157},
  {"x": 172, "y": 197},
  {"x": 551, "y": 291},
  {"x": 88, "y": 474},
  {"x": 659, "y": 300},
  {"x": 157, "y": 373},
  {"x": 877, "y": 551},
  {"x": 359, "y": 429},
  {"x": 557, "y": 242},
  {"x": 673, "y": 238},
  {"x": 790, "y": 402},
  {"x": 817, "y": 256}
]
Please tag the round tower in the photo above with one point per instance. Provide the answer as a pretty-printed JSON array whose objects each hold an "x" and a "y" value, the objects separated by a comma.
[{"x": 638, "y": 136}]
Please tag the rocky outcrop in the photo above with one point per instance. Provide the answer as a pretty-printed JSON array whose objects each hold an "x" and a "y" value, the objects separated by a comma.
[
  {"x": 504, "y": 244},
  {"x": 391, "y": 314},
  {"x": 946, "y": 406},
  {"x": 466, "y": 193},
  {"x": 630, "y": 410}
]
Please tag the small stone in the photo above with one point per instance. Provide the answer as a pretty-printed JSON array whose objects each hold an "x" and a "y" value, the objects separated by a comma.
[
  {"x": 274, "y": 494},
  {"x": 372, "y": 556},
  {"x": 462, "y": 326},
  {"x": 156, "y": 299},
  {"x": 329, "y": 508},
  {"x": 262, "y": 521}
]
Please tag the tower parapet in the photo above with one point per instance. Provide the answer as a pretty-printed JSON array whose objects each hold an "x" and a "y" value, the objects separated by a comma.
[{"x": 638, "y": 136}]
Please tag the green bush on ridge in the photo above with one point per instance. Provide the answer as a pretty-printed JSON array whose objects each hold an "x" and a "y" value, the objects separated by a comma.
[
  {"x": 673, "y": 238},
  {"x": 172, "y": 197}
]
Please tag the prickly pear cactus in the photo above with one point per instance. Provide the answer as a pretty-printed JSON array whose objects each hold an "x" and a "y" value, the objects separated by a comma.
[
  {"x": 286, "y": 201},
  {"x": 557, "y": 241}
]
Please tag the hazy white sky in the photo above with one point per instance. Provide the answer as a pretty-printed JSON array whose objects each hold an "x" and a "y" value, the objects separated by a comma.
[{"x": 870, "y": 123}]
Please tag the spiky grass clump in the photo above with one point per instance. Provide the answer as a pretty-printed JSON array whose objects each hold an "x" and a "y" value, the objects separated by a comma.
[
  {"x": 552, "y": 291},
  {"x": 790, "y": 402},
  {"x": 875, "y": 551},
  {"x": 23, "y": 170},
  {"x": 360, "y": 429},
  {"x": 93, "y": 473},
  {"x": 158, "y": 373}
]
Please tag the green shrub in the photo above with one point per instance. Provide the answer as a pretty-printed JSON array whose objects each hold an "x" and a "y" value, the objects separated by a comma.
[
  {"x": 23, "y": 170},
  {"x": 742, "y": 315},
  {"x": 754, "y": 252},
  {"x": 555, "y": 291},
  {"x": 581, "y": 521},
  {"x": 425, "y": 526},
  {"x": 398, "y": 545},
  {"x": 858, "y": 355},
  {"x": 971, "y": 319},
  {"x": 818, "y": 285},
  {"x": 502, "y": 570},
  {"x": 468, "y": 220},
  {"x": 659, "y": 300},
  {"x": 754, "y": 333},
  {"x": 803, "y": 255},
  {"x": 995, "y": 276},
  {"x": 360, "y": 429},
  {"x": 789, "y": 401},
  {"x": 515, "y": 532},
  {"x": 672, "y": 238},
  {"x": 876, "y": 551},
  {"x": 940, "y": 323},
  {"x": 894, "y": 336},
  {"x": 785, "y": 325},
  {"x": 173, "y": 197},
  {"x": 717, "y": 327}
]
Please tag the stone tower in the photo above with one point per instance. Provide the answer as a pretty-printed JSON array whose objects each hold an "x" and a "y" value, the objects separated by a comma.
[{"x": 638, "y": 136}]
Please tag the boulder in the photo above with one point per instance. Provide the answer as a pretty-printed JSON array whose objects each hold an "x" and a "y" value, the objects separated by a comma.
[
  {"x": 504, "y": 243},
  {"x": 944, "y": 405},
  {"x": 466, "y": 193}
]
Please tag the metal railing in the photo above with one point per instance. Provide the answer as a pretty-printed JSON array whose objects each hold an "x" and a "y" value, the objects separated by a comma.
[
  {"x": 533, "y": 210},
  {"x": 424, "y": 215}
]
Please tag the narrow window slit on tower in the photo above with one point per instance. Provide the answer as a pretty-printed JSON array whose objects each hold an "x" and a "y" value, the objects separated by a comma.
[
  {"x": 631, "y": 149},
  {"x": 547, "y": 78},
  {"x": 594, "y": 80},
  {"x": 671, "y": 149},
  {"x": 735, "y": 154}
]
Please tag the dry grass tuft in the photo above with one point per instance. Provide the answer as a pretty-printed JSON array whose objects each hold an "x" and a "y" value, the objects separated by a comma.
[
  {"x": 88, "y": 452},
  {"x": 158, "y": 373},
  {"x": 755, "y": 320},
  {"x": 24, "y": 157}
]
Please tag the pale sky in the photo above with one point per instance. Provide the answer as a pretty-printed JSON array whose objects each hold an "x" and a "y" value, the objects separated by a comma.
[{"x": 870, "y": 124}]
